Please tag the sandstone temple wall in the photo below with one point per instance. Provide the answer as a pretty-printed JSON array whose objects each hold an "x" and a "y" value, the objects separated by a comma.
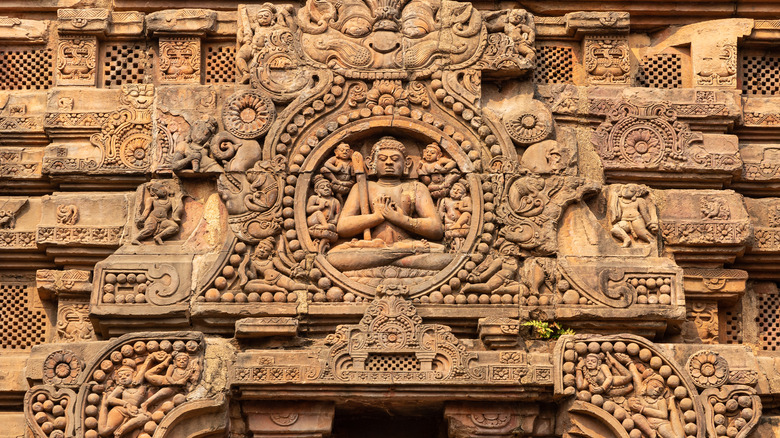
[{"x": 376, "y": 218}]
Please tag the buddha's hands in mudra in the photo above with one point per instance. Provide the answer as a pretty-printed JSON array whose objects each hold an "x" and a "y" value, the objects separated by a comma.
[{"x": 388, "y": 209}]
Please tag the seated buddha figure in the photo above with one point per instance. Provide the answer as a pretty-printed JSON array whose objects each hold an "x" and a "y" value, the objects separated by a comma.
[{"x": 391, "y": 221}]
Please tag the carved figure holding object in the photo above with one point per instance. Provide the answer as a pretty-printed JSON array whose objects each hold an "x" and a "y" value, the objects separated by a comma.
[{"x": 393, "y": 214}]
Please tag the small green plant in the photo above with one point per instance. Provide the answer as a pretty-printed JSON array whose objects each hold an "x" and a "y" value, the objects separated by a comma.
[{"x": 547, "y": 330}]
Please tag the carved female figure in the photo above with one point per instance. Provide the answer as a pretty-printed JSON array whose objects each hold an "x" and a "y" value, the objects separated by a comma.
[{"x": 437, "y": 171}]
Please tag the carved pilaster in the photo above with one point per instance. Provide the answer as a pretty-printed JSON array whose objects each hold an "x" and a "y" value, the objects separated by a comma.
[
  {"x": 71, "y": 290},
  {"x": 289, "y": 419}
]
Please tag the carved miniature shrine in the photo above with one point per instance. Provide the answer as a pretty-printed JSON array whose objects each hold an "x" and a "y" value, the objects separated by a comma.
[{"x": 389, "y": 218}]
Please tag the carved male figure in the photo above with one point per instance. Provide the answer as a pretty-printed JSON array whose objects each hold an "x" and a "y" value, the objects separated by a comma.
[
  {"x": 120, "y": 410},
  {"x": 596, "y": 377},
  {"x": 497, "y": 274},
  {"x": 340, "y": 170},
  {"x": 518, "y": 27},
  {"x": 651, "y": 411},
  {"x": 275, "y": 276},
  {"x": 632, "y": 215},
  {"x": 392, "y": 215},
  {"x": 322, "y": 209},
  {"x": 161, "y": 213},
  {"x": 437, "y": 171},
  {"x": 256, "y": 34},
  {"x": 198, "y": 139},
  {"x": 177, "y": 375}
]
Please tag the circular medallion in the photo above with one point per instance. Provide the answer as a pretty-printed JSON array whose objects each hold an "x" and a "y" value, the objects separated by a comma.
[
  {"x": 708, "y": 369},
  {"x": 61, "y": 367},
  {"x": 643, "y": 145},
  {"x": 248, "y": 114},
  {"x": 529, "y": 123},
  {"x": 135, "y": 151}
]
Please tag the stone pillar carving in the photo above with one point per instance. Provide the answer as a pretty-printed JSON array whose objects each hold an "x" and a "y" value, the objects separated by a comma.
[
  {"x": 71, "y": 290},
  {"x": 270, "y": 419}
]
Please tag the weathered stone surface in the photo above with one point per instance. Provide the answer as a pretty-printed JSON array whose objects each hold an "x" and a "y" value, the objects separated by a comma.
[{"x": 380, "y": 218}]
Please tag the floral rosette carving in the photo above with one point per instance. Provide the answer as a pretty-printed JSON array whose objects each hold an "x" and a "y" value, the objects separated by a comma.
[
  {"x": 248, "y": 114},
  {"x": 708, "y": 369},
  {"x": 61, "y": 368},
  {"x": 643, "y": 137},
  {"x": 529, "y": 122}
]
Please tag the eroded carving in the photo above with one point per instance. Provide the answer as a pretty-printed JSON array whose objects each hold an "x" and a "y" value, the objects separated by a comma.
[
  {"x": 180, "y": 60},
  {"x": 76, "y": 60},
  {"x": 160, "y": 208}
]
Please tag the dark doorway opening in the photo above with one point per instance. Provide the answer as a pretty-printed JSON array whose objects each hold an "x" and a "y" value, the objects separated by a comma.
[{"x": 370, "y": 422}]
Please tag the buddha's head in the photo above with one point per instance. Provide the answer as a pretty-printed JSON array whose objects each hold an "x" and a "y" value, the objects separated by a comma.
[{"x": 388, "y": 158}]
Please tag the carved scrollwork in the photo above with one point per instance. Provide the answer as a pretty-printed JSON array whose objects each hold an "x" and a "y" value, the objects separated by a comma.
[
  {"x": 49, "y": 411},
  {"x": 643, "y": 137}
]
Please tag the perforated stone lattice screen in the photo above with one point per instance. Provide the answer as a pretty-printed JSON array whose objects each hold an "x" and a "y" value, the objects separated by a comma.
[
  {"x": 392, "y": 362},
  {"x": 760, "y": 74},
  {"x": 124, "y": 63},
  {"x": 732, "y": 325},
  {"x": 29, "y": 69},
  {"x": 661, "y": 71},
  {"x": 220, "y": 63},
  {"x": 554, "y": 65},
  {"x": 768, "y": 321},
  {"x": 22, "y": 325}
]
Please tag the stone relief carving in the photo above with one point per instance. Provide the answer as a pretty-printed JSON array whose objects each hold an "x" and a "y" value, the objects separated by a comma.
[
  {"x": 76, "y": 59},
  {"x": 391, "y": 158},
  {"x": 633, "y": 216},
  {"x": 705, "y": 317},
  {"x": 159, "y": 212},
  {"x": 607, "y": 59},
  {"x": 719, "y": 69},
  {"x": 627, "y": 380},
  {"x": 180, "y": 59},
  {"x": 125, "y": 140}
]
